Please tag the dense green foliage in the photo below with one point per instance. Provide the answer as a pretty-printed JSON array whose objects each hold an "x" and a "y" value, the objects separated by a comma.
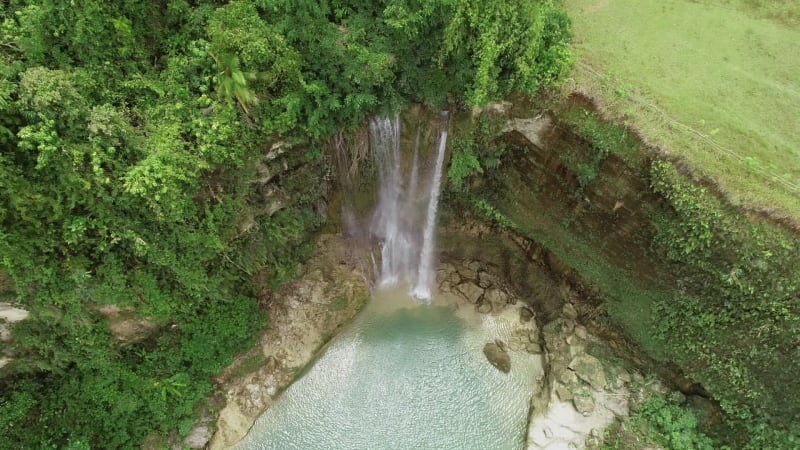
[
  {"x": 475, "y": 170},
  {"x": 132, "y": 136},
  {"x": 734, "y": 321},
  {"x": 661, "y": 422},
  {"x": 605, "y": 139},
  {"x": 475, "y": 151}
]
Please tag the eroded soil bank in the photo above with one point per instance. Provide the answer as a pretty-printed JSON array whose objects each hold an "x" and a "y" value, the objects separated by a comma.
[{"x": 662, "y": 264}]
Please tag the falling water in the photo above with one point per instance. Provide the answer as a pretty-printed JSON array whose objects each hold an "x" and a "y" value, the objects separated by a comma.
[
  {"x": 422, "y": 290},
  {"x": 405, "y": 373},
  {"x": 412, "y": 184},
  {"x": 396, "y": 241},
  {"x": 407, "y": 249}
]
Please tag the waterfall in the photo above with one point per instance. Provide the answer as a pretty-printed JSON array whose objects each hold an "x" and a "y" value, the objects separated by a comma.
[
  {"x": 425, "y": 275},
  {"x": 385, "y": 142},
  {"x": 407, "y": 249}
]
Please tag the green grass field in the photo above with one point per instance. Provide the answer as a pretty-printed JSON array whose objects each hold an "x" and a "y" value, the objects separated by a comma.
[{"x": 716, "y": 82}]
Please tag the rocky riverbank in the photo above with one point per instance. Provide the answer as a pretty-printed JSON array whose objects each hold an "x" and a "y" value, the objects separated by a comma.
[
  {"x": 579, "y": 395},
  {"x": 304, "y": 315}
]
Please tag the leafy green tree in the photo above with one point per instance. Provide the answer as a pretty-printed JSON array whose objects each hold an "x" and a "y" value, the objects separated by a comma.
[
  {"x": 500, "y": 46},
  {"x": 130, "y": 133}
]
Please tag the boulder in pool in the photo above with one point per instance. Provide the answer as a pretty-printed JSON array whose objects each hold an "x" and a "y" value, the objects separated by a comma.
[{"x": 498, "y": 356}]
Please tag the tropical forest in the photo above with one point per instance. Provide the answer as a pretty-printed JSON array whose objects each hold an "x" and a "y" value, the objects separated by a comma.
[{"x": 400, "y": 224}]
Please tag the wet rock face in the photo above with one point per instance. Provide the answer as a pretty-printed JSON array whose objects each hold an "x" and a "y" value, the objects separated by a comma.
[
  {"x": 477, "y": 283},
  {"x": 497, "y": 355},
  {"x": 471, "y": 291}
]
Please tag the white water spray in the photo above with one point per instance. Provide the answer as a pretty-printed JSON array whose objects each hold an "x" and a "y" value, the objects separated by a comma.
[
  {"x": 425, "y": 276},
  {"x": 395, "y": 242},
  {"x": 407, "y": 249}
]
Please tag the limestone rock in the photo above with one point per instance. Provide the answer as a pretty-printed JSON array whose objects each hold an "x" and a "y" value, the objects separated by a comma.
[
  {"x": 109, "y": 311},
  {"x": 617, "y": 377},
  {"x": 573, "y": 339},
  {"x": 583, "y": 402},
  {"x": 589, "y": 369},
  {"x": 569, "y": 311},
  {"x": 496, "y": 297},
  {"x": 9, "y": 315},
  {"x": 12, "y": 314},
  {"x": 470, "y": 271},
  {"x": 497, "y": 355},
  {"x": 470, "y": 291},
  {"x": 329, "y": 293},
  {"x": 533, "y": 347},
  {"x": 563, "y": 393},
  {"x": 576, "y": 350},
  {"x": 485, "y": 307},
  {"x": 568, "y": 377},
  {"x": 525, "y": 314},
  {"x": 515, "y": 345},
  {"x": 454, "y": 279},
  {"x": 233, "y": 426},
  {"x": 533, "y": 129},
  {"x": 198, "y": 437},
  {"x": 445, "y": 271},
  {"x": 132, "y": 329},
  {"x": 576, "y": 346},
  {"x": 486, "y": 280}
]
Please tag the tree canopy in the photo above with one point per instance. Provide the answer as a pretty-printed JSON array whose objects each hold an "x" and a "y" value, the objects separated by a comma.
[{"x": 129, "y": 136}]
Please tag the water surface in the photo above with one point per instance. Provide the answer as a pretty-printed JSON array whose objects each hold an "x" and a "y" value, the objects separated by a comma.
[{"x": 405, "y": 376}]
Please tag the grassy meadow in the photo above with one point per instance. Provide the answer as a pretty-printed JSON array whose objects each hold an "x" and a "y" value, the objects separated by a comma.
[{"x": 715, "y": 82}]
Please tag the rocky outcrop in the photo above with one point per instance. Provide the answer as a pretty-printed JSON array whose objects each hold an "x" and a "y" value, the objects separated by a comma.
[
  {"x": 533, "y": 129},
  {"x": 581, "y": 400},
  {"x": 304, "y": 315},
  {"x": 125, "y": 325},
  {"x": 581, "y": 394},
  {"x": 476, "y": 282},
  {"x": 498, "y": 356},
  {"x": 590, "y": 370},
  {"x": 9, "y": 315},
  {"x": 199, "y": 436}
]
